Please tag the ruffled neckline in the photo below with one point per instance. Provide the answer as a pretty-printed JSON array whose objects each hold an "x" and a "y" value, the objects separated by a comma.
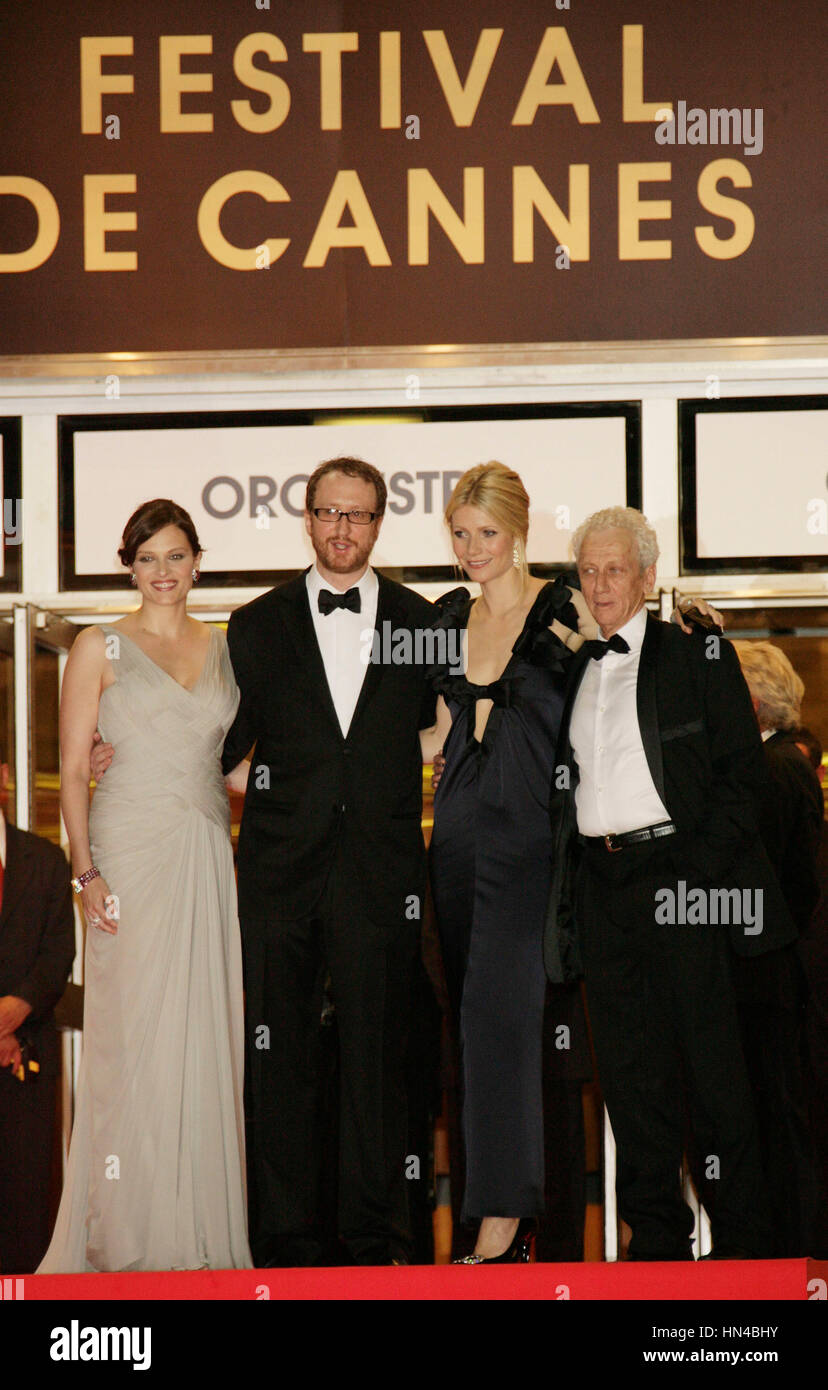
[{"x": 535, "y": 643}]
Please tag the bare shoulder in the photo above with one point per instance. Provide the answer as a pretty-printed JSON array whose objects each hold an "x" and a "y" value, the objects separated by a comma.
[
  {"x": 88, "y": 667},
  {"x": 90, "y": 645},
  {"x": 533, "y": 588},
  {"x": 87, "y": 663}
]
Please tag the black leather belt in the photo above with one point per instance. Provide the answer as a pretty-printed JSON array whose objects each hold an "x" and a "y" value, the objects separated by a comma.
[{"x": 631, "y": 837}]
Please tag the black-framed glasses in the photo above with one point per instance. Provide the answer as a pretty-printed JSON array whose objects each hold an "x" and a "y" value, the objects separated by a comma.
[{"x": 356, "y": 516}]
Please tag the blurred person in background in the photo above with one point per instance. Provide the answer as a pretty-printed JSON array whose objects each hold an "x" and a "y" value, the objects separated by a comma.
[
  {"x": 37, "y": 947},
  {"x": 813, "y": 947},
  {"x": 771, "y": 989}
]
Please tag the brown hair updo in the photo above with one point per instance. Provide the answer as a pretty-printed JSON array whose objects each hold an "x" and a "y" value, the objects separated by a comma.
[
  {"x": 498, "y": 490},
  {"x": 151, "y": 517}
]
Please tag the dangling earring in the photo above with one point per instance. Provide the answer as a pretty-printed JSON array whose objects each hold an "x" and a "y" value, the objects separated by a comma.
[
  {"x": 516, "y": 555},
  {"x": 195, "y": 576},
  {"x": 132, "y": 578}
]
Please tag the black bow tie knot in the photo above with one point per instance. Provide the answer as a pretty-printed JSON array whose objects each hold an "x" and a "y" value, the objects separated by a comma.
[
  {"x": 598, "y": 648},
  {"x": 328, "y": 600}
]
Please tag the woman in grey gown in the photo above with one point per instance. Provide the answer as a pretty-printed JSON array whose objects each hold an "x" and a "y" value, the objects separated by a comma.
[{"x": 156, "y": 1166}]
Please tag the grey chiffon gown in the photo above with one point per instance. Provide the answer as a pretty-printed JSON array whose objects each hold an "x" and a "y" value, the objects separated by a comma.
[{"x": 156, "y": 1172}]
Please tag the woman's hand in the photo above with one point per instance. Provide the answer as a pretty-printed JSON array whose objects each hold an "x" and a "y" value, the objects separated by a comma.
[
  {"x": 438, "y": 767},
  {"x": 101, "y": 906},
  {"x": 706, "y": 610},
  {"x": 587, "y": 626},
  {"x": 100, "y": 757},
  {"x": 236, "y": 781}
]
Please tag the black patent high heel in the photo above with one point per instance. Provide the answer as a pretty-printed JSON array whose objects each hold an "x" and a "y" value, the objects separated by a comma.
[{"x": 519, "y": 1252}]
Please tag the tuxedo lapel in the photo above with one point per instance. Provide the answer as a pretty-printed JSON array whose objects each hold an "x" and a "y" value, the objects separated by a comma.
[
  {"x": 388, "y": 610},
  {"x": 577, "y": 667},
  {"x": 647, "y": 704},
  {"x": 298, "y": 622}
]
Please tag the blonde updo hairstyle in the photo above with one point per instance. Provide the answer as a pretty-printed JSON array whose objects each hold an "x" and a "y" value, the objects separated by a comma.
[{"x": 498, "y": 491}]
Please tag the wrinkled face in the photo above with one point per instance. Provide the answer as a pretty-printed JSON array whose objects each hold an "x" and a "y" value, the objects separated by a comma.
[
  {"x": 611, "y": 581},
  {"x": 342, "y": 548},
  {"x": 482, "y": 546},
  {"x": 163, "y": 566}
]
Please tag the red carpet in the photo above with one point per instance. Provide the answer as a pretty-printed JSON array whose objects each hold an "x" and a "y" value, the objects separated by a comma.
[{"x": 788, "y": 1280}]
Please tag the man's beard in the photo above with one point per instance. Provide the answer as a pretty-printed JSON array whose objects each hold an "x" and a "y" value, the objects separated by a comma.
[{"x": 348, "y": 561}]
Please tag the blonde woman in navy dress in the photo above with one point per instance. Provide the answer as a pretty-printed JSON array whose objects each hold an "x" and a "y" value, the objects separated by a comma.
[{"x": 490, "y": 850}]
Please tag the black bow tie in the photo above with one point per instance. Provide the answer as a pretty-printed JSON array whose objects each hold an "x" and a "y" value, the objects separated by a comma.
[
  {"x": 328, "y": 600},
  {"x": 597, "y": 648}
]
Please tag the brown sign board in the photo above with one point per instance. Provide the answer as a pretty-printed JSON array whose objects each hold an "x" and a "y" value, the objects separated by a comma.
[{"x": 215, "y": 176}]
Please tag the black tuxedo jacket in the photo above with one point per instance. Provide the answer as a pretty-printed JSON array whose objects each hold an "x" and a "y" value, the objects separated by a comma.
[
  {"x": 705, "y": 756},
  {"x": 312, "y": 791},
  {"x": 37, "y": 936}
]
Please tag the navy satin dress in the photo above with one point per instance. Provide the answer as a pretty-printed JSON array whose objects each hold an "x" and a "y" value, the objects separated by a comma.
[{"x": 490, "y": 862}]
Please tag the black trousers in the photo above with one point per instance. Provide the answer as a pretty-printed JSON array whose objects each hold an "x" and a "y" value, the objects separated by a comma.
[
  {"x": 27, "y": 1123},
  {"x": 770, "y": 991},
  {"x": 664, "y": 1019},
  {"x": 368, "y": 967}
]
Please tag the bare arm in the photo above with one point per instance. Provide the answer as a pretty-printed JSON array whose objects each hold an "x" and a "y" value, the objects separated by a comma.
[
  {"x": 432, "y": 740},
  {"x": 80, "y": 695},
  {"x": 587, "y": 626}
]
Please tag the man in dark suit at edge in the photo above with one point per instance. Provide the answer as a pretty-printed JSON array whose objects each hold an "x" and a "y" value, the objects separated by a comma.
[
  {"x": 331, "y": 876},
  {"x": 657, "y": 860},
  {"x": 37, "y": 947}
]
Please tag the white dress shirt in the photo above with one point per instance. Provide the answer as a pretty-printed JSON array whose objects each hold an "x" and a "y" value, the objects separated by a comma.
[
  {"x": 616, "y": 791},
  {"x": 341, "y": 643}
]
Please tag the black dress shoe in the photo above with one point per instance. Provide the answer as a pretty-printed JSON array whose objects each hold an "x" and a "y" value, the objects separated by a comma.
[
  {"x": 659, "y": 1256},
  {"x": 288, "y": 1252},
  {"x": 380, "y": 1255},
  {"x": 730, "y": 1252}
]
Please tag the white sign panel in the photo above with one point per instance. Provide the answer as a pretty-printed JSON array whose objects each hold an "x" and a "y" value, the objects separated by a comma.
[
  {"x": 762, "y": 483},
  {"x": 244, "y": 485}
]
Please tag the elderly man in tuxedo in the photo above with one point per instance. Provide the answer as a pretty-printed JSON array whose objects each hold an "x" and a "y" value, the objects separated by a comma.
[
  {"x": 37, "y": 947},
  {"x": 331, "y": 876},
  {"x": 657, "y": 868}
]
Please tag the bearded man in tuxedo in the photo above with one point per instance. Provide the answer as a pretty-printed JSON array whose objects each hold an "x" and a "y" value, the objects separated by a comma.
[{"x": 331, "y": 876}]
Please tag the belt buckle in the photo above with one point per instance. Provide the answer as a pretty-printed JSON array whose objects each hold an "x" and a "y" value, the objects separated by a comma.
[{"x": 613, "y": 849}]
